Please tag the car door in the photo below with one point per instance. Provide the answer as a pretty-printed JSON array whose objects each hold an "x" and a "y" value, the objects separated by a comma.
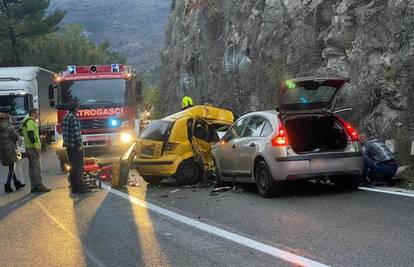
[
  {"x": 227, "y": 148},
  {"x": 248, "y": 146},
  {"x": 201, "y": 143},
  {"x": 121, "y": 168}
]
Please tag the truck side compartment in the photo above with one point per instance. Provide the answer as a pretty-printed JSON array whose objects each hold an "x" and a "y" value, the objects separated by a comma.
[{"x": 47, "y": 114}]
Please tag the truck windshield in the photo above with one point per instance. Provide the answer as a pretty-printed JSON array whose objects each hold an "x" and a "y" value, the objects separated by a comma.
[
  {"x": 14, "y": 105},
  {"x": 95, "y": 92}
]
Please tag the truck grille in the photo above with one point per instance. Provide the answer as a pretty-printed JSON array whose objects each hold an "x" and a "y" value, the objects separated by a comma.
[{"x": 94, "y": 124}]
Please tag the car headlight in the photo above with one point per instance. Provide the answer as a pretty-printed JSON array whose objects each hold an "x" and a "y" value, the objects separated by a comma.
[{"x": 126, "y": 138}]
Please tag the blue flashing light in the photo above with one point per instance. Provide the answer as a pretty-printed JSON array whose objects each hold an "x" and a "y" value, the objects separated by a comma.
[
  {"x": 71, "y": 69},
  {"x": 113, "y": 122},
  {"x": 115, "y": 67}
]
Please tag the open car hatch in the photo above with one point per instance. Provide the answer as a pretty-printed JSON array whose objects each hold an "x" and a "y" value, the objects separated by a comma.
[{"x": 309, "y": 95}]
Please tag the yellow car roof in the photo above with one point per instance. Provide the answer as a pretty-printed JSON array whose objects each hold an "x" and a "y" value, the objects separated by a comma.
[{"x": 209, "y": 113}]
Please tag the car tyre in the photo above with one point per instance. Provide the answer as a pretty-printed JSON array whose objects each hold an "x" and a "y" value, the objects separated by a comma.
[
  {"x": 153, "y": 180},
  {"x": 266, "y": 186},
  {"x": 188, "y": 173},
  {"x": 349, "y": 182}
]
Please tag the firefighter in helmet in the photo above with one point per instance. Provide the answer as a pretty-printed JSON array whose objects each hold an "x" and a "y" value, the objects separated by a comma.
[{"x": 187, "y": 102}]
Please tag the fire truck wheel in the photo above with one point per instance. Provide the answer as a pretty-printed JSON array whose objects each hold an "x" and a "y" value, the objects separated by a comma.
[{"x": 153, "y": 180}]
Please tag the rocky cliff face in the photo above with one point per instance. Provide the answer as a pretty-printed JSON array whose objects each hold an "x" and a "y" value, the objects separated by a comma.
[
  {"x": 134, "y": 28},
  {"x": 235, "y": 53}
]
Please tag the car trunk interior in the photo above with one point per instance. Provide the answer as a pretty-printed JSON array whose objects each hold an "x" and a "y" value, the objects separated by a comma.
[{"x": 315, "y": 134}]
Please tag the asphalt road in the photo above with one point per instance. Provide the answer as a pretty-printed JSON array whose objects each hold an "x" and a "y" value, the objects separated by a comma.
[{"x": 317, "y": 222}]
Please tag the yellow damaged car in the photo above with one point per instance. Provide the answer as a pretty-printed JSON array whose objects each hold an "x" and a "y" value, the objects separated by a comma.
[{"x": 180, "y": 145}]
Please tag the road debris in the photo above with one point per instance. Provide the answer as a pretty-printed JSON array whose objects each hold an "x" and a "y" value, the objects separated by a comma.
[
  {"x": 237, "y": 189},
  {"x": 221, "y": 189},
  {"x": 174, "y": 191}
]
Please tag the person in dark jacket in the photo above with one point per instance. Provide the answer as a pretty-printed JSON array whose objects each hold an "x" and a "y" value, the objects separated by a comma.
[
  {"x": 8, "y": 152},
  {"x": 378, "y": 159},
  {"x": 72, "y": 140}
]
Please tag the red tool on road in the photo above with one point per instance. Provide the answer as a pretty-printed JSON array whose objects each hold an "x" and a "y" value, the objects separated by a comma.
[{"x": 91, "y": 174}]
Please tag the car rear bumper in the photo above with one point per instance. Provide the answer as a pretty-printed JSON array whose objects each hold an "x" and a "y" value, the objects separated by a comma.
[
  {"x": 317, "y": 166},
  {"x": 165, "y": 166}
]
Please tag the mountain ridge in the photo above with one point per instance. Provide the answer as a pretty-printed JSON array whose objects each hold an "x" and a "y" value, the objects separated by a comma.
[{"x": 134, "y": 28}]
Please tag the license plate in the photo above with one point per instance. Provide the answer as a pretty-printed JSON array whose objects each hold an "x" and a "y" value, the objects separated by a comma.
[
  {"x": 326, "y": 163},
  {"x": 96, "y": 138}
]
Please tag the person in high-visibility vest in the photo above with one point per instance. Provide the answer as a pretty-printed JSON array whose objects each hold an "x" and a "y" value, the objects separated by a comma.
[
  {"x": 187, "y": 102},
  {"x": 32, "y": 145}
]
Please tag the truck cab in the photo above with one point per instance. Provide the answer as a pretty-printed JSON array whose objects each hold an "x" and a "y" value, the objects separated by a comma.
[
  {"x": 107, "y": 96},
  {"x": 23, "y": 88},
  {"x": 14, "y": 100}
]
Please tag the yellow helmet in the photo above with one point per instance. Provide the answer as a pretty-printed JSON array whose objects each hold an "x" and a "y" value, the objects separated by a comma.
[{"x": 187, "y": 102}]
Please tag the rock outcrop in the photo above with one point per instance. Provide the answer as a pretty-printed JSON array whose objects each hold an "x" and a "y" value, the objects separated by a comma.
[
  {"x": 234, "y": 53},
  {"x": 135, "y": 28}
]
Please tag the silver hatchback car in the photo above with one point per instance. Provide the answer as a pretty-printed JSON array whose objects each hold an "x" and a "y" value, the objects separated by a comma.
[{"x": 304, "y": 139}]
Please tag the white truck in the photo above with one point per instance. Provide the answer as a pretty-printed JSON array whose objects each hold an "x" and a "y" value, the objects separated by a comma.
[{"x": 23, "y": 88}]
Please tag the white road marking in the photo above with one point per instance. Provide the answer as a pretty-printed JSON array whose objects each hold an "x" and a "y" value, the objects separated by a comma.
[
  {"x": 244, "y": 241},
  {"x": 397, "y": 193},
  {"x": 55, "y": 220}
]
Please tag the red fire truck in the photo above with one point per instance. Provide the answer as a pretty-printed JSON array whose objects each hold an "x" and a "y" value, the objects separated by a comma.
[{"x": 107, "y": 96}]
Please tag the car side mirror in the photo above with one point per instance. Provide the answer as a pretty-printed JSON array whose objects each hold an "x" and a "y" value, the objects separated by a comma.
[
  {"x": 52, "y": 103},
  {"x": 51, "y": 92}
]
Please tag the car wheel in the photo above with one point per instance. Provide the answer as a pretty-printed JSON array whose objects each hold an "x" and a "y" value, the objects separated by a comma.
[
  {"x": 264, "y": 180},
  {"x": 188, "y": 173},
  {"x": 153, "y": 180},
  {"x": 348, "y": 182}
]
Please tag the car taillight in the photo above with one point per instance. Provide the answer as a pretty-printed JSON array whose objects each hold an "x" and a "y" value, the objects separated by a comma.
[
  {"x": 349, "y": 129},
  {"x": 280, "y": 139}
]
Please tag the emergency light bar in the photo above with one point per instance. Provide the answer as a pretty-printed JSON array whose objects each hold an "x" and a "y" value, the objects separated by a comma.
[
  {"x": 71, "y": 69},
  {"x": 113, "y": 68}
]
